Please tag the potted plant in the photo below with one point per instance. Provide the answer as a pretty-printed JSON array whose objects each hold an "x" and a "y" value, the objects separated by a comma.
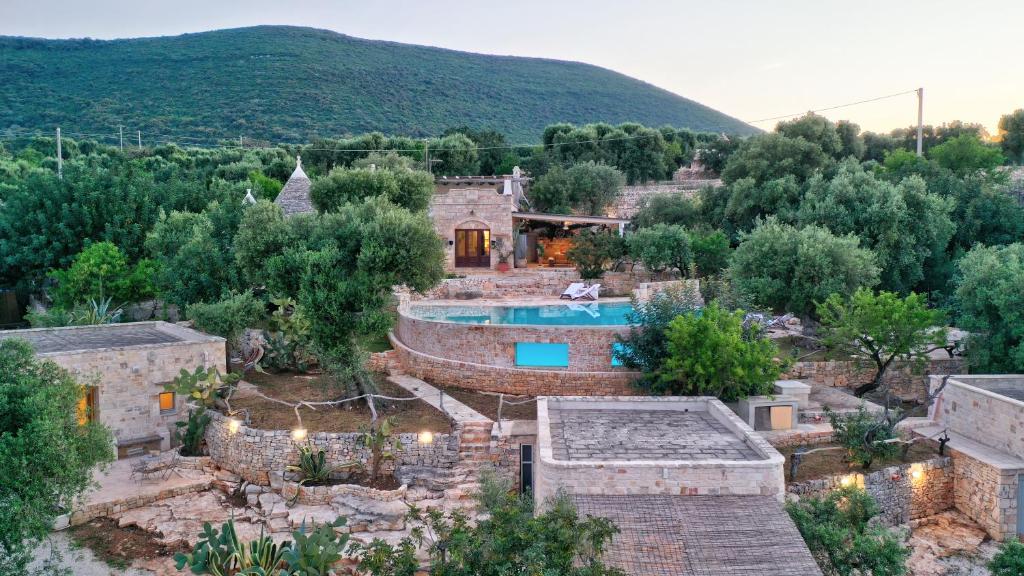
[{"x": 503, "y": 256}]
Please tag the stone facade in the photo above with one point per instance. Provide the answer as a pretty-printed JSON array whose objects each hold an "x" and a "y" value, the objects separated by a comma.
[
  {"x": 254, "y": 454},
  {"x": 472, "y": 208},
  {"x": 710, "y": 473},
  {"x": 524, "y": 381},
  {"x": 631, "y": 198},
  {"x": 129, "y": 377},
  {"x": 907, "y": 380},
  {"x": 986, "y": 494},
  {"x": 904, "y": 492}
]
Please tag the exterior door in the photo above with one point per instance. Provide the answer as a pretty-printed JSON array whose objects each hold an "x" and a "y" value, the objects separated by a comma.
[{"x": 473, "y": 248}]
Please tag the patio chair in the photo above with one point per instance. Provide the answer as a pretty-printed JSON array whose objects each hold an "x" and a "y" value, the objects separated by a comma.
[
  {"x": 573, "y": 290},
  {"x": 590, "y": 292}
]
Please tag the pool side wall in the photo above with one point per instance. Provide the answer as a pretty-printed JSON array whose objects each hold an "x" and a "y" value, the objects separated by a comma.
[{"x": 678, "y": 477}]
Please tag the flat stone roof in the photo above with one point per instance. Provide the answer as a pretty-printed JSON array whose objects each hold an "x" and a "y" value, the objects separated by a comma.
[
  {"x": 106, "y": 336},
  {"x": 639, "y": 434},
  {"x": 664, "y": 535}
]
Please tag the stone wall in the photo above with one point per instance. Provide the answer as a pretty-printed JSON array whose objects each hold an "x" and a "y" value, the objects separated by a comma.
[
  {"x": 907, "y": 380},
  {"x": 129, "y": 380},
  {"x": 986, "y": 417},
  {"x": 471, "y": 208},
  {"x": 254, "y": 454},
  {"x": 631, "y": 197},
  {"x": 985, "y": 494},
  {"x": 530, "y": 382},
  {"x": 590, "y": 347},
  {"x": 904, "y": 492}
]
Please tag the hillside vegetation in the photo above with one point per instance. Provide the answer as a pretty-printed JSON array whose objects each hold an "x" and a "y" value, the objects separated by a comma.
[{"x": 292, "y": 84}]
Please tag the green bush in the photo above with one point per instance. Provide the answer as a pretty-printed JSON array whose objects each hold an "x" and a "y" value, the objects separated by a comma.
[
  {"x": 192, "y": 433},
  {"x": 646, "y": 348},
  {"x": 710, "y": 353},
  {"x": 662, "y": 247},
  {"x": 842, "y": 541},
  {"x": 228, "y": 317},
  {"x": 591, "y": 251},
  {"x": 101, "y": 271},
  {"x": 1009, "y": 561},
  {"x": 863, "y": 435}
]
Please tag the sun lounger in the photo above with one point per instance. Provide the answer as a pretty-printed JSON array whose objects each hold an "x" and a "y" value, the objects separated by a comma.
[
  {"x": 589, "y": 293},
  {"x": 574, "y": 290}
]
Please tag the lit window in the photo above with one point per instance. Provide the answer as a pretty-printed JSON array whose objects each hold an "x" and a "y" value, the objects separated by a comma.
[
  {"x": 87, "y": 405},
  {"x": 167, "y": 402}
]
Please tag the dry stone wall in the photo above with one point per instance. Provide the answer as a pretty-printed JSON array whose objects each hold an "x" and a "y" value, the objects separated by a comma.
[
  {"x": 985, "y": 494},
  {"x": 907, "y": 380},
  {"x": 905, "y": 492},
  {"x": 254, "y": 454},
  {"x": 631, "y": 198}
]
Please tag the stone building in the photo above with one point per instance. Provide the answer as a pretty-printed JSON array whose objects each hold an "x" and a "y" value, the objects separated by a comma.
[
  {"x": 123, "y": 368},
  {"x": 294, "y": 196}
]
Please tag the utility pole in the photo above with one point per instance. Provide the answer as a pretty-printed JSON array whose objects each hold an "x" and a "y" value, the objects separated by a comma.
[
  {"x": 60, "y": 158},
  {"x": 140, "y": 139},
  {"x": 240, "y": 145},
  {"x": 120, "y": 132},
  {"x": 920, "y": 121},
  {"x": 426, "y": 155}
]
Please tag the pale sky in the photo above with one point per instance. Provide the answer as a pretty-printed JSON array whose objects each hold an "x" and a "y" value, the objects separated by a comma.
[{"x": 750, "y": 59}]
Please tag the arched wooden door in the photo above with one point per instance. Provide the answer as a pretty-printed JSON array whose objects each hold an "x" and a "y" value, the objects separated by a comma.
[{"x": 472, "y": 248}]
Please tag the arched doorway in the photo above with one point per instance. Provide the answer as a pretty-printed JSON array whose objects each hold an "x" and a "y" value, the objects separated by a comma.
[{"x": 472, "y": 248}]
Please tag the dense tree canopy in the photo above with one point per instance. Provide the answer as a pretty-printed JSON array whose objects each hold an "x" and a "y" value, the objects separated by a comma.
[
  {"x": 1011, "y": 135},
  {"x": 772, "y": 156},
  {"x": 789, "y": 269},
  {"x": 990, "y": 303},
  {"x": 586, "y": 189}
]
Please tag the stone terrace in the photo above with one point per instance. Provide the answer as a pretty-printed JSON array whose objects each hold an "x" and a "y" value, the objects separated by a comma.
[
  {"x": 643, "y": 435},
  {"x": 662, "y": 535}
]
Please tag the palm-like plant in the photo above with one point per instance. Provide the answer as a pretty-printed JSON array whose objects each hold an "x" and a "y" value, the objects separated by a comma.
[{"x": 377, "y": 438}]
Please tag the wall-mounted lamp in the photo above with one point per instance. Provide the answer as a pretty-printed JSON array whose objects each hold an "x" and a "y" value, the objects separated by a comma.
[
  {"x": 233, "y": 425},
  {"x": 451, "y": 242},
  {"x": 494, "y": 243},
  {"x": 425, "y": 437},
  {"x": 299, "y": 434},
  {"x": 916, "y": 475}
]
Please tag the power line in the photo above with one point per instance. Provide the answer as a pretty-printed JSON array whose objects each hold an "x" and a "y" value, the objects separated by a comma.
[{"x": 832, "y": 107}]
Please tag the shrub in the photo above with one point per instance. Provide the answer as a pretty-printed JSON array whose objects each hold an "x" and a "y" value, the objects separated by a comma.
[
  {"x": 710, "y": 252},
  {"x": 837, "y": 531},
  {"x": 1009, "y": 561},
  {"x": 863, "y": 435},
  {"x": 662, "y": 247},
  {"x": 205, "y": 385},
  {"x": 228, "y": 317},
  {"x": 592, "y": 250},
  {"x": 98, "y": 272},
  {"x": 646, "y": 348},
  {"x": 710, "y": 353},
  {"x": 380, "y": 439},
  {"x": 192, "y": 433}
]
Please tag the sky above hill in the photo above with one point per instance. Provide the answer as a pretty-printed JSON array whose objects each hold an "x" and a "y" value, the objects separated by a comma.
[{"x": 748, "y": 58}]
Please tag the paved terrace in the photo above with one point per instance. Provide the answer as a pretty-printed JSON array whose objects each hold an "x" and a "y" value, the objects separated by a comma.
[
  {"x": 663, "y": 535},
  {"x": 610, "y": 434}
]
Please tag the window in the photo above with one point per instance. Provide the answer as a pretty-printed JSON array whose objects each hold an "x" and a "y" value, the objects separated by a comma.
[
  {"x": 525, "y": 468},
  {"x": 542, "y": 354},
  {"x": 87, "y": 405},
  {"x": 167, "y": 403}
]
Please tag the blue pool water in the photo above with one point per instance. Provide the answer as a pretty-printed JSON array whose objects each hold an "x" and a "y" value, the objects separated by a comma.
[{"x": 590, "y": 314}]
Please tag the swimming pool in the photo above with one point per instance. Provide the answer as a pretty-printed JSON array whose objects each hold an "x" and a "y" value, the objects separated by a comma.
[{"x": 568, "y": 314}]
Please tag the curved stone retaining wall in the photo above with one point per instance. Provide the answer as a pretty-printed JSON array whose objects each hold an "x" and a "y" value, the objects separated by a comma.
[
  {"x": 253, "y": 454},
  {"x": 905, "y": 492},
  {"x": 509, "y": 380},
  {"x": 590, "y": 347}
]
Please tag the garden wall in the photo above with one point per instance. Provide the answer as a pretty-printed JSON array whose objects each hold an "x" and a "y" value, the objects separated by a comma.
[
  {"x": 509, "y": 380},
  {"x": 628, "y": 203},
  {"x": 905, "y": 492},
  {"x": 253, "y": 454},
  {"x": 985, "y": 494},
  {"x": 906, "y": 380}
]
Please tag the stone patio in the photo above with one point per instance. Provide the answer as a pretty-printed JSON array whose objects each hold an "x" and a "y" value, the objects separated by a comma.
[{"x": 608, "y": 434}]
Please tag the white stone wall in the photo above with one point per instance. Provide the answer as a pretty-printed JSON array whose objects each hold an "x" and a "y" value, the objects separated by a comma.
[
  {"x": 130, "y": 379},
  {"x": 689, "y": 478},
  {"x": 983, "y": 416}
]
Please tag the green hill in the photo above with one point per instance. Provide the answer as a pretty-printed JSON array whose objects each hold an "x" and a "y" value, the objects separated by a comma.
[{"x": 284, "y": 83}]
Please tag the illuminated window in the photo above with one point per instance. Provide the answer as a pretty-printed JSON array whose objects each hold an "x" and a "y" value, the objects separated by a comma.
[
  {"x": 87, "y": 404},
  {"x": 167, "y": 403}
]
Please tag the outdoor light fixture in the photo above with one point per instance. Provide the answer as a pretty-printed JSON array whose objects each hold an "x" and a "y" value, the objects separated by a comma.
[
  {"x": 425, "y": 437},
  {"x": 847, "y": 480},
  {"x": 299, "y": 434},
  {"x": 233, "y": 425},
  {"x": 451, "y": 242},
  {"x": 916, "y": 475}
]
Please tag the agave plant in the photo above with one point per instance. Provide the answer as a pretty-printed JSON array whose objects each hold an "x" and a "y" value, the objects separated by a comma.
[
  {"x": 97, "y": 312},
  {"x": 223, "y": 554},
  {"x": 313, "y": 468}
]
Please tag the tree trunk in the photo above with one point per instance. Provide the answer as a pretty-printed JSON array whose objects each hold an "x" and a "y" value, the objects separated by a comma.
[{"x": 875, "y": 382}]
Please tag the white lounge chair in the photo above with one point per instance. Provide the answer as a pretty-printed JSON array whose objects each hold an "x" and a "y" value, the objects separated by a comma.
[
  {"x": 590, "y": 292},
  {"x": 573, "y": 291}
]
